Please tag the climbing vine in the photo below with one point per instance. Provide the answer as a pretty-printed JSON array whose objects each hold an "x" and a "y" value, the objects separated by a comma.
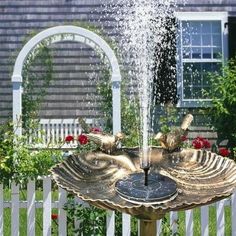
[{"x": 37, "y": 76}]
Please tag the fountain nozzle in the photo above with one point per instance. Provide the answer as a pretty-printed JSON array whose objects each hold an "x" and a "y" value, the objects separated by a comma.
[{"x": 146, "y": 169}]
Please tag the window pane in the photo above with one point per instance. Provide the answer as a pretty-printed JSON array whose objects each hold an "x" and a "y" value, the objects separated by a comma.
[
  {"x": 206, "y": 52},
  {"x": 185, "y": 28},
  {"x": 216, "y": 40},
  {"x": 196, "y": 40},
  {"x": 206, "y": 27},
  {"x": 187, "y": 93},
  {"x": 217, "y": 53},
  {"x": 188, "y": 68},
  {"x": 206, "y": 82},
  {"x": 216, "y": 27},
  {"x": 186, "y": 39},
  {"x": 187, "y": 80},
  {"x": 186, "y": 52},
  {"x": 206, "y": 67},
  {"x": 206, "y": 40},
  {"x": 196, "y": 68},
  {"x": 216, "y": 67},
  {"x": 197, "y": 92},
  {"x": 196, "y": 52},
  {"x": 195, "y": 27}
]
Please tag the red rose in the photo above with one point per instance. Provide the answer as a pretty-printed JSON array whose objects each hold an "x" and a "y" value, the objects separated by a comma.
[
  {"x": 184, "y": 138},
  {"x": 69, "y": 138},
  {"x": 54, "y": 216},
  {"x": 206, "y": 143},
  {"x": 224, "y": 152},
  {"x": 197, "y": 144},
  {"x": 83, "y": 139},
  {"x": 95, "y": 130}
]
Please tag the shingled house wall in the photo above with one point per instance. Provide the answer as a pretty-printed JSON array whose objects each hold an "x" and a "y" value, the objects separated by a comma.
[{"x": 70, "y": 93}]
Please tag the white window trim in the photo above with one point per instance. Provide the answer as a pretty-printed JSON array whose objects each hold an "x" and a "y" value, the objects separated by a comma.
[{"x": 199, "y": 16}]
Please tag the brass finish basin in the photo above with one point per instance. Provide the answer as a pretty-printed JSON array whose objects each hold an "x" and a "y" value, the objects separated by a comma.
[{"x": 202, "y": 177}]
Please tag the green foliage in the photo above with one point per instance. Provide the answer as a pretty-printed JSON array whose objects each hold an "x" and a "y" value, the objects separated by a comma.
[
  {"x": 35, "y": 83},
  {"x": 93, "y": 220},
  {"x": 223, "y": 110},
  {"x": 104, "y": 89},
  {"x": 18, "y": 162},
  {"x": 85, "y": 148}
]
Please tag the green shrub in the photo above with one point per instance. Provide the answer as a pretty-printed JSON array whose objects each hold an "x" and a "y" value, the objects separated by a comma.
[
  {"x": 223, "y": 110},
  {"x": 18, "y": 162}
]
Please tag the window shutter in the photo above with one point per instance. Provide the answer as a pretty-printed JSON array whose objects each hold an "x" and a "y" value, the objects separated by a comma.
[{"x": 232, "y": 36}]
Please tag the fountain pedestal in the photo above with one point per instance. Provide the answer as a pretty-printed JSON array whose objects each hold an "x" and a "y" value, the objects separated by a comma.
[{"x": 148, "y": 227}]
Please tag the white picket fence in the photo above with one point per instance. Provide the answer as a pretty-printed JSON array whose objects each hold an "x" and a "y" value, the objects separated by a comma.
[
  {"x": 51, "y": 133},
  {"x": 15, "y": 204}
]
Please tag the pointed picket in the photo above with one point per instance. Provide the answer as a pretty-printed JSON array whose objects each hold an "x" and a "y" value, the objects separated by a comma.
[
  {"x": 15, "y": 196},
  {"x": 204, "y": 221},
  {"x": 31, "y": 208},
  {"x": 62, "y": 220},
  {"x": 47, "y": 206},
  {"x": 189, "y": 222}
]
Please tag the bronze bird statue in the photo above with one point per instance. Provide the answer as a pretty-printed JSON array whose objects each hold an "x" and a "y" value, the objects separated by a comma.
[
  {"x": 106, "y": 142},
  {"x": 173, "y": 139}
]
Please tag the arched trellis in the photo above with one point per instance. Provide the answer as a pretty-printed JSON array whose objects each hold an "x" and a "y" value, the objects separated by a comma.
[{"x": 62, "y": 33}]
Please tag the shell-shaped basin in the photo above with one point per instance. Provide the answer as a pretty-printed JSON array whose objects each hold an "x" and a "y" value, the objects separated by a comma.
[{"x": 202, "y": 177}]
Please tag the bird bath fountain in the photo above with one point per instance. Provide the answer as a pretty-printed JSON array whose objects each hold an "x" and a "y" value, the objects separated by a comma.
[
  {"x": 147, "y": 181},
  {"x": 177, "y": 180}
]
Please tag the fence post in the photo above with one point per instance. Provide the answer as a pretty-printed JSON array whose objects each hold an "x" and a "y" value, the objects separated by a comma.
[
  {"x": 1, "y": 209},
  {"x": 189, "y": 222},
  {"x": 204, "y": 221},
  {"x": 47, "y": 206},
  {"x": 174, "y": 222},
  {"x": 220, "y": 216},
  {"x": 15, "y": 209},
  {"x": 110, "y": 223},
  {"x": 31, "y": 207},
  {"x": 62, "y": 230},
  {"x": 233, "y": 214},
  {"x": 126, "y": 224},
  {"x": 159, "y": 227}
]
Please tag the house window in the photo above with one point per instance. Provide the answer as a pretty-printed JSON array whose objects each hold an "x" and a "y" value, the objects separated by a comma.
[{"x": 201, "y": 50}]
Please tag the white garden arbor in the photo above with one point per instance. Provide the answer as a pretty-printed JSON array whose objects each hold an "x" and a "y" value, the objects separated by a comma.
[{"x": 66, "y": 33}]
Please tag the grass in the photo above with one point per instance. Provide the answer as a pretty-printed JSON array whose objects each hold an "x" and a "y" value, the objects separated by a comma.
[{"x": 39, "y": 218}]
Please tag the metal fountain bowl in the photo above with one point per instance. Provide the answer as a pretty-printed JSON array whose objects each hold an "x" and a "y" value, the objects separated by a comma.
[{"x": 202, "y": 177}]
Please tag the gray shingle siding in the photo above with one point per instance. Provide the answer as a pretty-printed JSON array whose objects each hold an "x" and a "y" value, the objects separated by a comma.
[{"x": 69, "y": 94}]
